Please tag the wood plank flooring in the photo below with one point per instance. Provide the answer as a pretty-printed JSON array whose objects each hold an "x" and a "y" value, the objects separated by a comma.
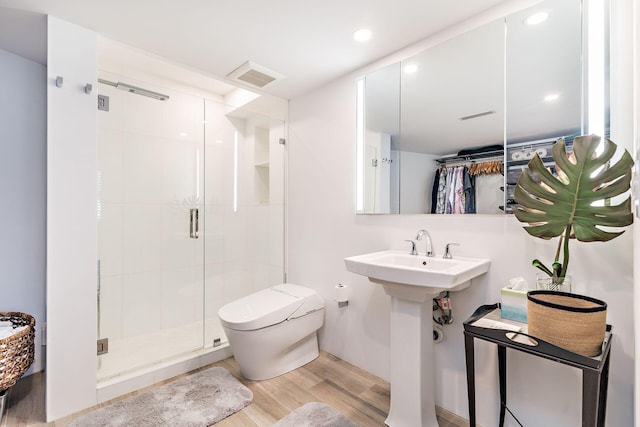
[{"x": 355, "y": 393}]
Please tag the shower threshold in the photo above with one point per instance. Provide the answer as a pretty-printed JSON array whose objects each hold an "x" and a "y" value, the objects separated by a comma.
[{"x": 118, "y": 385}]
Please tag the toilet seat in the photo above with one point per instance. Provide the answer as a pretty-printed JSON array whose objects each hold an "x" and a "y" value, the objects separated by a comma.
[{"x": 269, "y": 307}]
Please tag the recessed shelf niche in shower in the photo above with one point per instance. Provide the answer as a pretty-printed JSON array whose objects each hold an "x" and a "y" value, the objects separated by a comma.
[{"x": 261, "y": 165}]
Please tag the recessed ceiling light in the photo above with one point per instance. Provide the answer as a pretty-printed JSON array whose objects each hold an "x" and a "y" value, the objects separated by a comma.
[
  {"x": 183, "y": 134},
  {"x": 362, "y": 35},
  {"x": 410, "y": 68},
  {"x": 536, "y": 18},
  {"x": 551, "y": 97}
]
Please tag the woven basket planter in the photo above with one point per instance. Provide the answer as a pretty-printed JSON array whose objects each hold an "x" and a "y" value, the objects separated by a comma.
[
  {"x": 17, "y": 350},
  {"x": 573, "y": 322}
]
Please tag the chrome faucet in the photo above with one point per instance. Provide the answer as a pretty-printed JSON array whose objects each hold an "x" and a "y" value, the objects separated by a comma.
[
  {"x": 413, "y": 247},
  {"x": 447, "y": 253},
  {"x": 424, "y": 233}
]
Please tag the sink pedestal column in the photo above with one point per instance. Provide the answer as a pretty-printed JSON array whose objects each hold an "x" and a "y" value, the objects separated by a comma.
[
  {"x": 412, "y": 281},
  {"x": 412, "y": 386}
]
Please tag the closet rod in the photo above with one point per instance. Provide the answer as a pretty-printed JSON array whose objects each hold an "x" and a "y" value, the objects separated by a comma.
[
  {"x": 568, "y": 139},
  {"x": 470, "y": 158}
]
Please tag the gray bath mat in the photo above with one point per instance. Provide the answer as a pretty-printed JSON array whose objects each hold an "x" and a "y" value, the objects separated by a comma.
[
  {"x": 197, "y": 400},
  {"x": 315, "y": 414}
]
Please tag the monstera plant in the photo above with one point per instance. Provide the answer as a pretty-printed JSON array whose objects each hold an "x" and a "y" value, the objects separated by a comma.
[{"x": 576, "y": 202}]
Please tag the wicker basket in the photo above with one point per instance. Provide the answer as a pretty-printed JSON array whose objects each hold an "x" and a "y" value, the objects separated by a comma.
[
  {"x": 573, "y": 322},
  {"x": 16, "y": 351}
]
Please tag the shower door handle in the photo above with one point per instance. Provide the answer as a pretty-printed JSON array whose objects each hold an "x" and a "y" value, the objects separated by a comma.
[
  {"x": 197, "y": 233},
  {"x": 194, "y": 223}
]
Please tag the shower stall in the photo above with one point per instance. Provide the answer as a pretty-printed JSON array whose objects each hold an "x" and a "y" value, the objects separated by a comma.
[{"x": 190, "y": 198}]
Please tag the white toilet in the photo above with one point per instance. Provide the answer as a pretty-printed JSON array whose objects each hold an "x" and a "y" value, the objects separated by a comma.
[{"x": 273, "y": 331}]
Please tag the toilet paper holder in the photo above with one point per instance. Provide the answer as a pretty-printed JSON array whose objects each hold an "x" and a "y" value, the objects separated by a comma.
[{"x": 342, "y": 295}]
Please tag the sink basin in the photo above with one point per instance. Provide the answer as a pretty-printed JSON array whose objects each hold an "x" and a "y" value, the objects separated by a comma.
[
  {"x": 412, "y": 281},
  {"x": 389, "y": 267}
]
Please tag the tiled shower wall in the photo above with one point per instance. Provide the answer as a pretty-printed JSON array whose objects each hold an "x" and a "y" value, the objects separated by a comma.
[{"x": 157, "y": 160}]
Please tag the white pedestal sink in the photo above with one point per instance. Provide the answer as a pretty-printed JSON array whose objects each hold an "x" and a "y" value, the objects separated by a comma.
[{"x": 412, "y": 281}]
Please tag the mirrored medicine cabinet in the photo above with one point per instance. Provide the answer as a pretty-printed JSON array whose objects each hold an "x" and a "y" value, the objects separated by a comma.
[{"x": 487, "y": 99}]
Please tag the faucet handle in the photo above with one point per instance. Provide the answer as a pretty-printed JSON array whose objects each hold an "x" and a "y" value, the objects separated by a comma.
[
  {"x": 413, "y": 247},
  {"x": 447, "y": 253}
]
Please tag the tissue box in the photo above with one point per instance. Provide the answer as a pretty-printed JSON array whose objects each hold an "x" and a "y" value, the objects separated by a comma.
[{"x": 513, "y": 305}]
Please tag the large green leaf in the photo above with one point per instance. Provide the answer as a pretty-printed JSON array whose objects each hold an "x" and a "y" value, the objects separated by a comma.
[{"x": 551, "y": 205}]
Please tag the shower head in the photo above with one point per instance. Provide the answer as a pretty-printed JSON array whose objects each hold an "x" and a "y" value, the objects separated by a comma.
[
  {"x": 135, "y": 89},
  {"x": 141, "y": 91}
]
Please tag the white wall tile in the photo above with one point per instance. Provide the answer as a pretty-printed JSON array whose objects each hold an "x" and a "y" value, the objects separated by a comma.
[
  {"x": 110, "y": 231},
  {"x": 214, "y": 299},
  {"x": 182, "y": 296},
  {"x": 141, "y": 303},
  {"x": 214, "y": 233},
  {"x": 276, "y": 162},
  {"x": 142, "y": 173},
  {"x": 261, "y": 277},
  {"x": 276, "y": 275},
  {"x": 141, "y": 238},
  {"x": 238, "y": 280},
  {"x": 178, "y": 248},
  {"x": 217, "y": 154},
  {"x": 261, "y": 234},
  {"x": 140, "y": 113},
  {"x": 276, "y": 236},
  {"x": 213, "y": 288},
  {"x": 183, "y": 114},
  {"x": 110, "y": 165},
  {"x": 110, "y": 308},
  {"x": 182, "y": 164},
  {"x": 219, "y": 141},
  {"x": 236, "y": 240}
]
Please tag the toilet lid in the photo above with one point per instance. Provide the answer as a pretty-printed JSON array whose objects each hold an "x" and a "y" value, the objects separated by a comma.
[{"x": 261, "y": 309}]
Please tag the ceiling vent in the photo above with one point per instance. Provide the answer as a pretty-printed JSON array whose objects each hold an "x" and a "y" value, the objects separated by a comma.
[
  {"x": 254, "y": 74},
  {"x": 475, "y": 116}
]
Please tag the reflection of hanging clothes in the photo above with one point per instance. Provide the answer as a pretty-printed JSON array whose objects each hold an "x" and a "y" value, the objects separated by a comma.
[
  {"x": 455, "y": 188},
  {"x": 450, "y": 190},
  {"x": 442, "y": 192},
  {"x": 469, "y": 192},
  {"x": 453, "y": 191},
  {"x": 434, "y": 191},
  {"x": 458, "y": 190}
]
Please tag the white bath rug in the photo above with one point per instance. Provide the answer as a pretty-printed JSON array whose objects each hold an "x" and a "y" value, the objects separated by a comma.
[
  {"x": 315, "y": 414},
  {"x": 197, "y": 400}
]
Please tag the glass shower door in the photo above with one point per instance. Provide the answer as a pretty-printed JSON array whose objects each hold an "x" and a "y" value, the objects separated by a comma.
[
  {"x": 150, "y": 216},
  {"x": 244, "y": 180}
]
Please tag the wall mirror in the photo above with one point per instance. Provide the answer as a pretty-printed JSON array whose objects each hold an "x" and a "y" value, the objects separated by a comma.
[
  {"x": 378, "y": 141},
  {"x": 452, "y": 99},
  {"x": 507, "y": 87},
  {"x": 544, "y": 69}
]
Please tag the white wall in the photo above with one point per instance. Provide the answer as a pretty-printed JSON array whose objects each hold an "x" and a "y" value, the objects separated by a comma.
[
  {"x": 635, "y": 57},
  {"x": 323, "y": 230},
  {"x": 71, "y": 220},
  {"x": 417, "y": 173},
  {"x": 23, "y": 154}
]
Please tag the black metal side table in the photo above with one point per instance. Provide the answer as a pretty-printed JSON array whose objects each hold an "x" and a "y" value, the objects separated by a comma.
[{"x": 595, "y": 370}]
